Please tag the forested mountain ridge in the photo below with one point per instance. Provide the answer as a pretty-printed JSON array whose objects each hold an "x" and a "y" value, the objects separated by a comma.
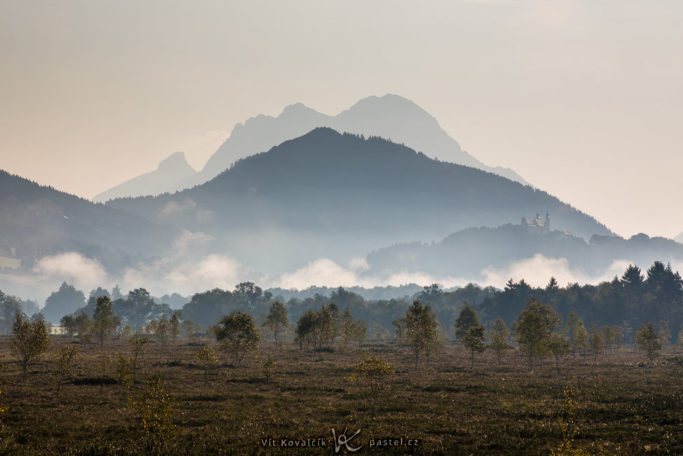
[
  {"x": 36, "y": 220},
  {"x": 469, "y": 251},
  {"x": 330, "y": 194}
]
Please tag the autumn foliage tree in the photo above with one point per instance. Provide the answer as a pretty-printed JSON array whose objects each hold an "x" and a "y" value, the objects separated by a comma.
[
  {"x": 534, "y": 328},
  {"x": 499, "y": 336},
  {"x": 372, "y": 371},
  {"x": 65, "y": 359},
  {"x": 104, "y": 320},
  {"x": 29, "y": 340},
  {"x": 469, "y": 332},
  {"x": 649, "y": 340},
  {"x": 277, "y": 320},
  {"x": 237, "y": 334},
  {"x": 421, "y": 330},
  {"x": 315, "y": 328}
]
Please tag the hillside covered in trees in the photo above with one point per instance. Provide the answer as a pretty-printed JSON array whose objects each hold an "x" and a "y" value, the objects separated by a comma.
[
  {"x": 471, "y": 250},
  {"x": 340, "y": 196},
  {"x": 36, "y": 221}
]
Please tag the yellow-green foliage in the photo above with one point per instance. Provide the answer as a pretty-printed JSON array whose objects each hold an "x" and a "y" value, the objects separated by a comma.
[
  {"x": 207, "y": 358},
  {"x": 138, "y": 343},
  {"x": 65, "y": 359},
  {"x": 29, "y": 340},
  {"x": 268, "y": 367},
  {"x": 649, "y": 341},
  {"x": 154, "y": 408},
  {"x": 3, "y": 410},
  {"x": 123, "y": 372},
  {"x": 372, "y": 371},
  {"x": 570, "y": 431}
]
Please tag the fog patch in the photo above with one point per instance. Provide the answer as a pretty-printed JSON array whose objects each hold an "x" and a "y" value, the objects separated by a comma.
[
  {"x": 321, "y": 272},
  {"x": 73, "y": 268},
  {"x": 537, "y": 271},
  {"x": 325, "y": 272},
  {"x": 185, "y": 277},
  {"x": 176, "y": 207},
  {"x": 189, "y": 242},
  {"x": 424, "y": 279}
]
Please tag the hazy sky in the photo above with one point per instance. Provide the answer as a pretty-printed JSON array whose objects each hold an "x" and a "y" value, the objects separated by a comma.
[{"x": 582, "y": 98}]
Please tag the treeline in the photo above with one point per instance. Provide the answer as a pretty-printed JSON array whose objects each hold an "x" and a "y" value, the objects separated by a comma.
[
  {"x": 536, "y": 332},
  {"x": 629, "y": 301}
]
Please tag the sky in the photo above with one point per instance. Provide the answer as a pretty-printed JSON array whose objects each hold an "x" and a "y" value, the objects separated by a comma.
[{"x": 584, "y": 99}]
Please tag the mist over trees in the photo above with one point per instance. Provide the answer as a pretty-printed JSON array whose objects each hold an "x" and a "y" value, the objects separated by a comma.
[
  {"x": 617, "y": 308},
  {"x": 469, "y": 251},
  {"x": 37, "y": 221}
]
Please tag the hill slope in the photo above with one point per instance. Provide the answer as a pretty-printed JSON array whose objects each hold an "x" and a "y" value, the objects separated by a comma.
[
  {"x": 36, "y": 221},
  {"x": 468, "y": 252},
  {"x": 334, "y": 195}
]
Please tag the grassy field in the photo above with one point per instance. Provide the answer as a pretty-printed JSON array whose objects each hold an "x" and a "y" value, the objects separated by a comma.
[{"x": 444, "y": 407}]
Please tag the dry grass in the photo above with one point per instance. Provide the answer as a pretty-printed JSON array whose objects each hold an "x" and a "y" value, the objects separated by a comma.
[{"x": 449, "y": 408}]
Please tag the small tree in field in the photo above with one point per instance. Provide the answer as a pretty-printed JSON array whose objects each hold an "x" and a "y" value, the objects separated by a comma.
[
  {"x": 649, "y": 341},
  {"x": 360, "y": 332},
  {"x": 237, "y": 334},
  {"x": 377, "y": 331},
  {"x": 277, "y": 320},
  {"x": 576, "y": 331},
  {"x": 609, "y": 336},
  {"x": 65, "y": 358},
  {"x": 123, "y": 370},
  {"x": 467, "y": 318},
  {"x": 664, "y": 332},
  {"x": 207, "y": 358},
  {"x": 78, "y": 324},
  {"x": 597, "y": 343},
  {"x": 372, "y": 371},
  {"x": 268, "y": 367},
  {"x": 315, "y": 328},
  {"x": 162, "y": 330},
  {"x": 191, "y": 329},
  {"x": 29, "y": 340},
  {"x": 155, "y": 408},
  {"x": 421, "y": 330},
  {"x": 499, "y": 336},
  {"x": 474, "y": 341},
  {"x": 348, "y": 327},
  {"x": 534, "y": 328},
  {"x": 174, "y": 325},
  {"x": 104, "y": 320},
  {"x": 138, "y": 344},
  {"x": 559, "y": 346}
]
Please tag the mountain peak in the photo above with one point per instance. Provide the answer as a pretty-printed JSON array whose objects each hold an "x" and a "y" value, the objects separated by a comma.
[
  {"x": 388, "y": 100},
  {"x": 171, "y": 170},
  {"x": 175, "y": 161},
  {"x": 297, "y": 109},
  {"x": 388, "y": 116}
]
